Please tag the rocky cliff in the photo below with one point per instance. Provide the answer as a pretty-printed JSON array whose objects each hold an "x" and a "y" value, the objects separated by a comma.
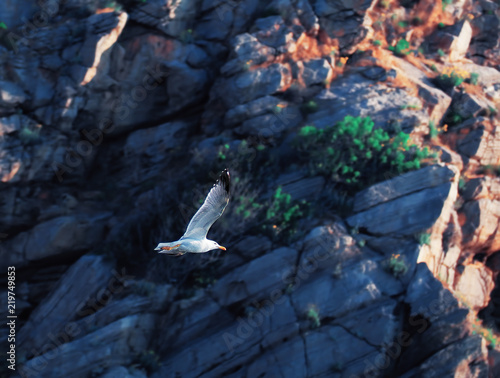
[{"x": 363, "y": 143}]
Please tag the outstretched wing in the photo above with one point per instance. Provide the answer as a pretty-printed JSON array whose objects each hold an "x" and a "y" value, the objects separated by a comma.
[{"x": 211, "y": 210}]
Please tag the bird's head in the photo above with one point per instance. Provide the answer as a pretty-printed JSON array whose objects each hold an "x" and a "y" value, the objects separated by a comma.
[{"x": 216, "y": 245}]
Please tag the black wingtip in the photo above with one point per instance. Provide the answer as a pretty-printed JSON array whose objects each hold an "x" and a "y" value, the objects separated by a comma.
[{"x": 225, "y": 179}]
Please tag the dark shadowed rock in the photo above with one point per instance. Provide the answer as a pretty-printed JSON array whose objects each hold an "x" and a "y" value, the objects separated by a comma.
[
  {"x": 66, "y": 236},
  {"x": 326, "y": 352},
  {"x": 256, "y": 279},
  {"x": 458, "y": 359},
  {"x": 50, "y": 319},
  {"x": 113, "y": 345}
]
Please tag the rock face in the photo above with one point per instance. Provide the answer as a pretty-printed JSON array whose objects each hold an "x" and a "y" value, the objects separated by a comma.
[{"x": 117, "y": 117}]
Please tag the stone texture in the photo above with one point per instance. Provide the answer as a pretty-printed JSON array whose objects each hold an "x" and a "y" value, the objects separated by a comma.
[
  {"x": 113, "y": 345},
  {"x": 479, "y": 140},
  {"x": 241, "y": 283},
  {"x": 475, "y": 285},
  {"x": 59, "y": 237},
  {"x": 356, "y": 95},
  {"x": 84, "y": 281},
  {"x": 252, "y": 84},
  {"x": 405, "y": 215}
]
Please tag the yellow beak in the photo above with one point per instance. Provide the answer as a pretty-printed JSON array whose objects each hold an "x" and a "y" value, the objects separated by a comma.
[{"x": 221, "y": 247}]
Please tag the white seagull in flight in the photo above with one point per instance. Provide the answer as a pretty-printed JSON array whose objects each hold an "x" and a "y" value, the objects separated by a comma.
[{"x": 195, "y": 239}]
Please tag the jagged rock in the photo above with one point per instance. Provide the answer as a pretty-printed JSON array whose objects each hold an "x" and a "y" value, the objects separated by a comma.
[
  {"x": 482, "y": 218},
  {"x": 287, "y": 360},
  {"x": 246, "y": 50},
  {"x": 241, "y": 283},
  {"x": 465, "y": 358},
  {"x": 102, "y": 32},
  {"x": 346, "y": 22},
  {"x": 427, "y": 297},
  {"x": 155, "y": 298},
  {"x": 484, "y": 44},
  {"x": 66, "y": 236},
  {"x": 171, "y": 17},
  {"x": 114, "y": 344},
  {"x": 52, "y": 320},
  {"x": 307, "y": 17},
  {"x": 11, "y": 95},
  {"x": 14, "y": 13},
  {"x": 252, "y": 109},
  {"x": 316, "y": 71},
  {"x": 468, "y": 105},
  {"x": 252, "y": 84},
  {"x": 475, "y": 285},
  {"x": 454, "y": 40},
  {"x": 375, "y": 324},
  {"x": 227, "y": 349},
  {"x": 273, "y": 32},
  {"x": 434, "y": 99},
  {"x": 356, "y": 95},
  {"x": 280, "y": 120},
  {"x": 414, "y": 209},
  {"x": 400, "y": 186},
  {"x": 325, "y": 353},
  {"x": 253, "y": 246},
  {"x": 479, "y": 139},
  {"x": 145, "y": 149}
]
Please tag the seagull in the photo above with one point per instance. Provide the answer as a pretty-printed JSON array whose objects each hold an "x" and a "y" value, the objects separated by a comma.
[{"x": 195, "y": 239}]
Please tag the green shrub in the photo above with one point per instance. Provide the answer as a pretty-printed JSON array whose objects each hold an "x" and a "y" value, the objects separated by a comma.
[
  {"x": 283, "y": 213},
  {"x": 29, "y": 136},
  {"x": 402, "y": 48},
  {"x": 355, "y": 154},
  {"x": 433, "y": 130},
  {"x": 424, "y": 238},
  {"x": 3, "y": 25},
  {"x": 376, "y": 42},
  {"x": 397, "y": 266},
  {"x": 451, "y": 77},
  {"x": 474, "y": 77},
  {"x": 313, "y": 316}
]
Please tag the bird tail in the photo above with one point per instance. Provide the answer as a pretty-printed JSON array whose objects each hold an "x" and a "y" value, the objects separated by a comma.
[{"x": 169, "y": 248}]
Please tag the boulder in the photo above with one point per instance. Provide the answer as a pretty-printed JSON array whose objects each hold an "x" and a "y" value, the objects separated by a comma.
[{"x": 475, "y": 285}]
